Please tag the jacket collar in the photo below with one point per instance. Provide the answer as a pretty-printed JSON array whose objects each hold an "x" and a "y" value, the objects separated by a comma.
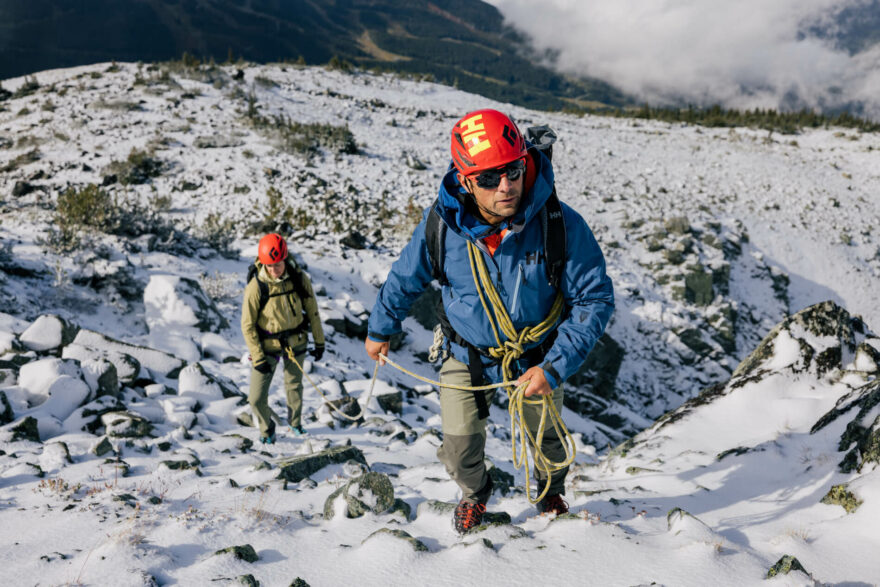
[{"x": 457, "y": 217}]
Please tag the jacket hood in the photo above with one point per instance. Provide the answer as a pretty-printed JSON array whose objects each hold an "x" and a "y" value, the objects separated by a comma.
[{"x": 454, "y": 214}]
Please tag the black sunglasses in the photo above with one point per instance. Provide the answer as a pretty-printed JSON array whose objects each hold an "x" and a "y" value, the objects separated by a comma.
[{"x": 492, "y": 177}]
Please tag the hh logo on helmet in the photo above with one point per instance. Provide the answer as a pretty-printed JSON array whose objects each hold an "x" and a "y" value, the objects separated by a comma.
[{"x": 472, "y": 136}]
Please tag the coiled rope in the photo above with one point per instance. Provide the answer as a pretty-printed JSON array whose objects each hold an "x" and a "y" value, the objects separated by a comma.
[{"x": 507, "y": 352}]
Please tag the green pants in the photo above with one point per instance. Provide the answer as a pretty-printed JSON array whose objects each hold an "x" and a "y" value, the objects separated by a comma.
[
  {"x": 258, "y": 395},
  {"x": 464, "y": 436}
]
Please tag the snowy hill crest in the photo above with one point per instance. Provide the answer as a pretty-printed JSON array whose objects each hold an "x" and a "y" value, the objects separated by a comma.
[{"x": 122, "y": 370}]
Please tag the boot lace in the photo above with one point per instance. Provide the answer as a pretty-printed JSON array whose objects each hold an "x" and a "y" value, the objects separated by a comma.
[{"x": 468, "y": 515}]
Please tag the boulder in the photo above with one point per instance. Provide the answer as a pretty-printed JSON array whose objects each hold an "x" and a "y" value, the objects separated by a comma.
[
  {"x": 372, "y": 492},
  {"x": 126, "y": 368},
  {"x": 194, "y": 381},
  {"x": 48, "y": 332},
  {"x": 298, "y": 468},
  {"x": 171, "y": 300},
  {"x": 417, "y": 545},
  {"x": 154, "y": 360},
  {"x": 101, "y": 376}
]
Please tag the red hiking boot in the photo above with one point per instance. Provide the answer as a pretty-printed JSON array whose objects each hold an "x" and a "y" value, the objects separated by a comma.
[
  {"x": 468, "y": 515},
  {"x": 553, "y": 504}
]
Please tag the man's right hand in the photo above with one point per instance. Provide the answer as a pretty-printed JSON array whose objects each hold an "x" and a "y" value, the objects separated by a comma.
[
  {"x": 263, "y": 367},
  {"x": 374, "y": 348}
]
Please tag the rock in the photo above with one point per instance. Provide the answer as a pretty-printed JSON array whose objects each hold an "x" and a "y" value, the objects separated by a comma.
[
  {"x": 26, "y": 430},
  {"x": 48, "y": 332},
  {"x": 839, "y": 495},
  {"x": 248, "y": 580},
  {"x": 6, "y": 413},
  {"x": 785, "y": 565},
  {"x": 126, "y": 425},
  {"x": 417, "y": 545},
  {"x": 245, "y": 552},
  {"x": 298, "y": 582},
  {"x": 55, "y": 385},
  {"x": 391, "y": 402},
  {"x": 101, "y": 376},
  {"x": 433, "y": 506},
  {"x": 502, "y": 481},
  {"x": 156, "y": 361},
  {"x": 216, "y": 142},
  {"x": 371, "y": 492},
  {"x": 346, "y": 405},
  {"x": 298, "y": 468},
  {"x": 171, "y": 300},
  {"x": 698, "y": 288},
  {"x": 8, "y": 377},
  {"x": 102, "y": 447},
  {"x": 824, "y": 321},
  {"x": 677, "y": 225},
  {"x": 599, "y": 371},
  {"x": 55, "y": 456},
  {"x": 126, "y": 368},
  {"x": 862, "y": 434},
  {"x": 196, "y": 382},
  {"x": 354, "y": 240}
]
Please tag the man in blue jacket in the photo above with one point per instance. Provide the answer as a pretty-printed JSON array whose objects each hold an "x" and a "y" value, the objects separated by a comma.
[{"x": 494, "y": 196}]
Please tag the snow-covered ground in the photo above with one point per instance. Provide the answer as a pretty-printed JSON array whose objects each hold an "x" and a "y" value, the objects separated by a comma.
[{"x": 712, "y": 237}]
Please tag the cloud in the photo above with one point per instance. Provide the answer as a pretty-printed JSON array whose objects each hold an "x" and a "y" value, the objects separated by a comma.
[{"x": 743, "y": 54}]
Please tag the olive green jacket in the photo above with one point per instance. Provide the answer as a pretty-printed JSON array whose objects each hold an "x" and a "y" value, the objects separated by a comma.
[{"x": 281, "y": 312}]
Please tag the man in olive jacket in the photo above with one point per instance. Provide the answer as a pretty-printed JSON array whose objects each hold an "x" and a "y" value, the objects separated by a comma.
[{"x": 279, "y": 309}]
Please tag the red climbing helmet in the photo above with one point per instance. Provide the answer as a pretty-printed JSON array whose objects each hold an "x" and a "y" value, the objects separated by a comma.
[
  {"x": 485, "y": 139},
  {"x": 272, "y": 249}
]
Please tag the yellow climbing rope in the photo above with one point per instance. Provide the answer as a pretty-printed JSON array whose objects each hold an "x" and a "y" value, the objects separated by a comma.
[{"x": 507, "y": 352}]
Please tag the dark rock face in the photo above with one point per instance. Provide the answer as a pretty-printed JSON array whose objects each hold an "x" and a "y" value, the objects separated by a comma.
[
  {"x": 861, "y": 438},
  {"x": 826, "y": 319}
]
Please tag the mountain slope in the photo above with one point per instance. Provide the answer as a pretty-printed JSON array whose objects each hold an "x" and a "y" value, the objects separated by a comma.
[
  {"x": 461, "y": 43},
  {"x": 132, "y": 201}
]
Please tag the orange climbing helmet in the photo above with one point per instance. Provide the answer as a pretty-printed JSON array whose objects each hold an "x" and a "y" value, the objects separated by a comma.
[
  {"x": 485, "y": 139},
  {"x": 272, "y": 249}
]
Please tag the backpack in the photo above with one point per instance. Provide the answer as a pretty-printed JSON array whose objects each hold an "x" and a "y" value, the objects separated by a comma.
[
  {"x": 552, "y": 223},
  {"x": 296, "y": 276}
]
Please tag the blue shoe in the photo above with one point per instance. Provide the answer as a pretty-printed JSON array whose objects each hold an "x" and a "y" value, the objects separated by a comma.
[
  {"x": 270, "y": 435},
  {"x": 297, "y": 430}
]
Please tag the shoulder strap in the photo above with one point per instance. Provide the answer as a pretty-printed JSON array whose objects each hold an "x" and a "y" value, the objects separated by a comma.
[
  {"x": 435, "y": 239},
  {"x": 553, "y": 226}
]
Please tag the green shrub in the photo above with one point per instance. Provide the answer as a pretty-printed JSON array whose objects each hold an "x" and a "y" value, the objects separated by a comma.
[
  {"x": 138, "y": 168},
  {"x": 81, "y": 212},
  {"x": 217, "y": 233},
  {"x": 337, "y": 64}
]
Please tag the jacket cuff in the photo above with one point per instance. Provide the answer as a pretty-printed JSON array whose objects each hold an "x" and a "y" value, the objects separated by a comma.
[
  {"x": 551, "y": 375},
  {"x": 376, "y": 337}
]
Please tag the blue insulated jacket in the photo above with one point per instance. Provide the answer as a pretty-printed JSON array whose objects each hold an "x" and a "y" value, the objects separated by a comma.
[{"x": 518, "y": 272}]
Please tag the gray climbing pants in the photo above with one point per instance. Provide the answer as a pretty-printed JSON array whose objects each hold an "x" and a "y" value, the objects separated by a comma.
[{"x": 464, "y": 436}]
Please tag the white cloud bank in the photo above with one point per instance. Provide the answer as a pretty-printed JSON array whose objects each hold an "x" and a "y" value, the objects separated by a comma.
[{"x": 744, "y": 54}]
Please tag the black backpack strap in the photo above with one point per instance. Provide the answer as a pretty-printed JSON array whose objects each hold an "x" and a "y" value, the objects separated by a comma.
[
  {"x": 553, "y": 226},
  {"x": 435, "y": 239}
]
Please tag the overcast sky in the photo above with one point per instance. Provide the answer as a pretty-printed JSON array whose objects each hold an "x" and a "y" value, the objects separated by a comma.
[{"x": 747, "y": 53}]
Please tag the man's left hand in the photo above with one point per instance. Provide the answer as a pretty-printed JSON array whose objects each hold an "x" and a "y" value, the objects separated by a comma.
[
  {"x": 317, "y": 352},
  {"x": 537, "y": 382}
]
